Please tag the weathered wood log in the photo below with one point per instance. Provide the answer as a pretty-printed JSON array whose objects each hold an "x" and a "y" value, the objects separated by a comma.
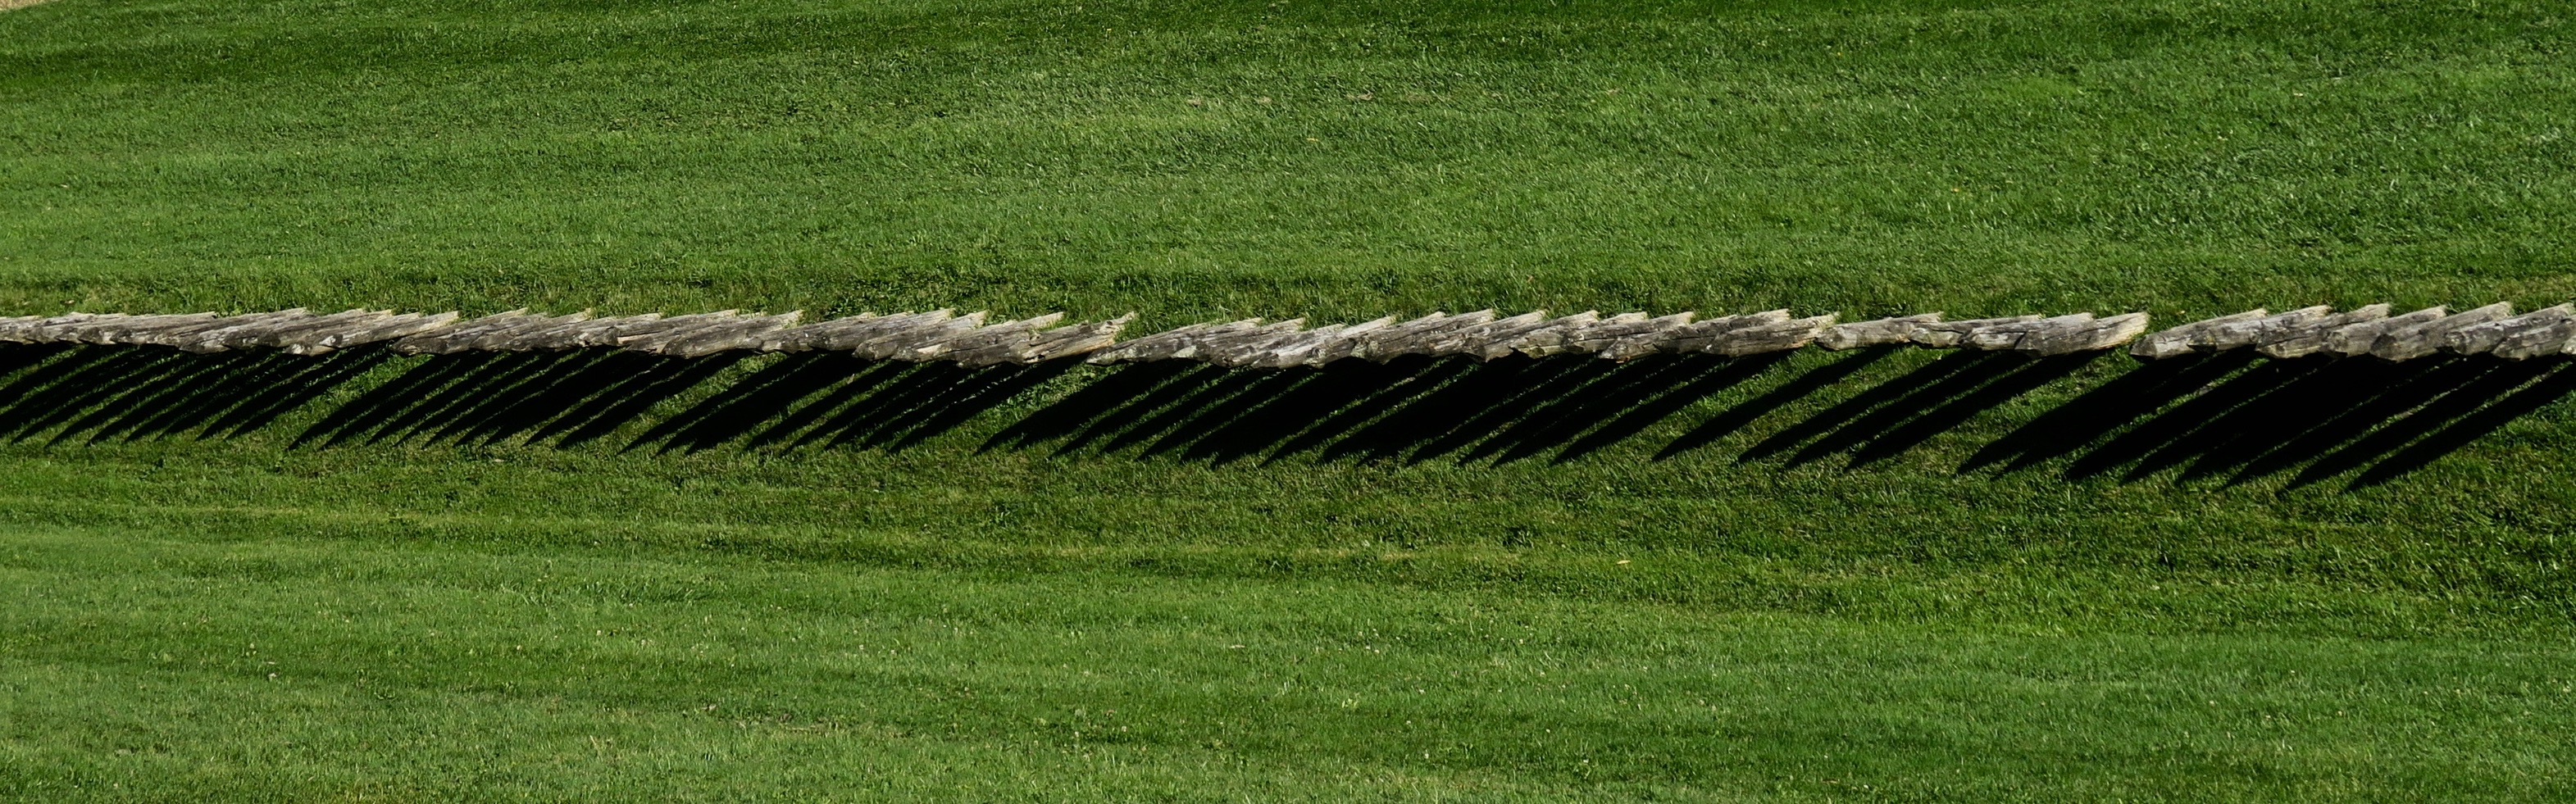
[
  {"x": 1881, "y": 332},
  {"x": 809, "y": 337},
  {"x": 173, "y": 335},
  {"x": 1239, "y": 347},
  {"x": 109, "y": 328},
  {"x": 1486, "y": 341},
  {"x": 906, "y": 343},
  {"x": 1302, "y": 348},
  {"x": 1552, "y": 336},
  {"x": 991, "y": 345},
  {"x": 2197, "y": 336},
  {"x": 2091, "y": 336},
  {"x": 1337, "y": 345},
  {"x": 290, "y": 334},
  {"x": 2303, "y": 338},
  {"x": 1690, "y": 334},
  {"x": 596, "y": 332},
  {"x": 1630, "y": 335},
  {"x": 2418, "y": 340},
  {"x": 2243, "y": 334},
  {"x": 1364, "y": 345},
  {"x": 1767, "y": 336},
  {"x": 1167, "y": 345},
  {"x": 504, "y": 336},
  {"x": 20, "y": 328},
  {"x": 1703, "y": 337},
  {"x": 2007, "y": 336},
  {"x": 455, "y": 338},
  {"x": 854, "y": 336},
  {"x": 2060, "y": 335},
  {"x": 507, "y": 335},
  {"x": 242, "y": 330},
  {"x": 2551, "y": 334},
  {"x": 2355, "y": 339},
  {"x": 102, "y": 329},
  {"x": 1587, "y": 334},
  {"x": 1415, "y": 337},
  {"x": 285, "y": 335},
  {"x": 2478, "y": 339},
  {"x": 738, "y": 334},
  {"x": 1947, "y": 334},
  {"x": 1076, "y": 340},
  {"x": 323, "y": 340},
  {"x": 653, "y": 337},
  {"x": 139, "y": 329},
  {"x": 86, "y": 327},
  {"x": 57, "y": 329}
]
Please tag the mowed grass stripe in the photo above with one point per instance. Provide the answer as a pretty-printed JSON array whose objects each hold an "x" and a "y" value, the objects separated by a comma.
[
  {"x": 2182, "y": 158},
  {"x": 578, "y": 675}
]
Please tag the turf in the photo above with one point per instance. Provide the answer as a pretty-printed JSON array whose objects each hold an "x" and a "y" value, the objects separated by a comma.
[{"x": 1875, "y": 576}]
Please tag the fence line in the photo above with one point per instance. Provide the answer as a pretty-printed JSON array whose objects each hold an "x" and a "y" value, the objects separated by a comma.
[{"x": 973, "y": 340}]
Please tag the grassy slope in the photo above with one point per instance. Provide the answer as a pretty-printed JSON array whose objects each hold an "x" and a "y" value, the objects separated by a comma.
[{"x": 1894, "y": 623}]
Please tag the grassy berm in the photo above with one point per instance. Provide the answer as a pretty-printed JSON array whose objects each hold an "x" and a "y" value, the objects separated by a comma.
[{"x": 1901, "y": 576}]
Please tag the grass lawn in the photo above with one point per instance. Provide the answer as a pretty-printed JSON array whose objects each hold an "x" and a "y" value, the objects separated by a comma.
[{"x": 1867, "y": 576}]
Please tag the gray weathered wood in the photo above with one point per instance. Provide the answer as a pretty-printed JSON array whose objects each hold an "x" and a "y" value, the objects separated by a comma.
[
  {"x": 740, "y": 334},
  {"x": 1292, "y": 349},
  {"x": 1338, "y": 345},
  {"x": 2087, "y": 336},
  {"x": 242, "y": 330},
  {"x": 2552, "y": 331},
  {"x": 282, "y": 336},
  {"x": 1880, "y": 332},
  {"x": 855, "y": 336},
  {"x": 173, "y": 335},
  {"x": 2197, "y": 336},
  {"x": 1690, "y": 335},
  {"x": 654, "y": 337},
  {"x": 810, "y": 337},
  {"x": 60, "y": 328},
  {"x": 369, "y": 329},
  {"x": 2355, "y": 339},
  {"x": 140, "y": 329},
  {"x": 2243, "y": 334},
  {"x": 1239, "y": 347},
  {"x": 2007, "y": 336},
  {"x": 2303, "y": 338},
  {"x": 20, "y": 328},
  {"x": 905, "y": 344},
  {"x": 2477, "y": 339},
  {"x": 991, "y": 345},
  {"x": 456, "y": 338},
  {"x": 1075, "y": 340},
  {"x": 596, "y": 332},
  {"x": 402, "y": 326},
  {"x": 2417, "y": 340},
  {"x": 1767, "y": 336},
  {"x": 1641, "y": 333},
  {"x": 504, "y": 336},
  {"x": 1489, "y": 340},
  {"x": 1704, "y": 336},
  {"x": 1415, "y": 337},
  {"x": 96, "y": 328},
  {"x": 1552, "y": 336},
  {"x": 1947, "y": 334},
  {"x": 1168, "y": 344},
  {"x": 1364, "y": 345}
]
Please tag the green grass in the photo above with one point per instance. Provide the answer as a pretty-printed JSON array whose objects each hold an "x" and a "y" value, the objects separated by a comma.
[{"x": 459, "y": 603}]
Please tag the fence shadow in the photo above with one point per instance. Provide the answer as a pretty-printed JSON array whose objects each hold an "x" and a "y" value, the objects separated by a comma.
[{"x": 2229, "y": 419}]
